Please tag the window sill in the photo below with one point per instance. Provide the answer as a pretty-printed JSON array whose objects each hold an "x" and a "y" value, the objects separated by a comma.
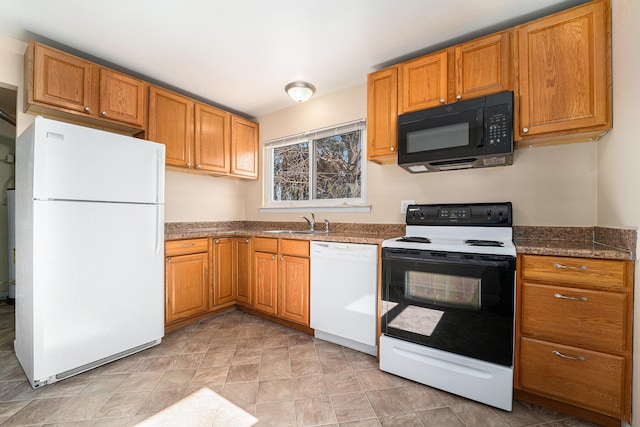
[{"x": 303, "y": 209}]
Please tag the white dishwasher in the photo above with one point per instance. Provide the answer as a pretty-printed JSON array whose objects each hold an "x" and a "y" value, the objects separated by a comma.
[{"x": 344, "y": 284}]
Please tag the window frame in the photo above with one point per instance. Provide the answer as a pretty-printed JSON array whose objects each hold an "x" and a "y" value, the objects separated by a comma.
[{"x": 343, "y": 203}]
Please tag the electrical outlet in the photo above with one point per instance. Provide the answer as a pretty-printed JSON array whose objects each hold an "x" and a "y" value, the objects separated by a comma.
[{"x": 404, "y": 204}]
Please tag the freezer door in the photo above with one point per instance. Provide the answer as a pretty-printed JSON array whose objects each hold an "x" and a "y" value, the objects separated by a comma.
[
  {"x": 98, "y": 286},
  {"x": 77, "y": 163}
]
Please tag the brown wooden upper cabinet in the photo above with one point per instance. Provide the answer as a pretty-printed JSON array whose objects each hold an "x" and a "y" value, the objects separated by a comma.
[
  {"x": 200, "y": 137},
  {"x": 65, "y": 85},
  {"x": 213, "y": 139},
  {"x": 469, "y": 70},
  {"x": 244, "y": 148},
  {"x": 564, "y": 63},
  {"x": 382, "y": 115},
  {"x": 171, "y": 123},
  {"x": 122, "y": 98}
]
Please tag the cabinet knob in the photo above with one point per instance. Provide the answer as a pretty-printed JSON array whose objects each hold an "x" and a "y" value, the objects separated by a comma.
[
  {"x": 217, "y": 240},
  {"x": 441, "y": 100},
  {"x": 458, "y": 96},
  {"x": 188, "y": 164},
  {"x": 103, "y": 114},
  {"x": 392, "y": 149},
  {"x": 282, "y": 258},
  {"x": 525, "y": 130},
  {"x": 170, "y": 261},
  {"x": 246, "y": 241},
  {"x": 198, "y": 166},
  {"x": 273, "y": 257},
  {"x": 87, "y": 109}
]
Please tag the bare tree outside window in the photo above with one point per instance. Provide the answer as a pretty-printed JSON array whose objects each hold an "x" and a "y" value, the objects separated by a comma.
[
  {"x": 338, "y": 162},
  {"x": 291, "y": 172},
  {"x": 317, "y": 168}
]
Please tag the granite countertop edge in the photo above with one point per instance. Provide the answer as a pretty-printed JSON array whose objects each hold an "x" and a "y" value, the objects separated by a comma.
[
  {"x": 334, "y": 236},
  {"x": 578, "y": 249},
  {"x": 582, "y": 242}
]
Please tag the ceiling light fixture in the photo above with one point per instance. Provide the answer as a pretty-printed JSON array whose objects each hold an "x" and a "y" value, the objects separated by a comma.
[{"x": 300, "y": 91}]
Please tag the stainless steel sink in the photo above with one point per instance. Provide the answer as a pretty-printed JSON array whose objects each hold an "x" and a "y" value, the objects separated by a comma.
[{"x": 295, "y": 231}]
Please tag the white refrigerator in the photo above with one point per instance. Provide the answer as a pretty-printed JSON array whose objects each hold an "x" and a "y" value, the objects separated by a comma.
[{"x": 89, "y": 248}]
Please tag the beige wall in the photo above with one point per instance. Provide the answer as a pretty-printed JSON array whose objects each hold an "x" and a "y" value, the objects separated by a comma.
[
  {"x": 619, "y": 150},
  {"x": 547, "y": 185},
  {"x": 191, "y": 197}
]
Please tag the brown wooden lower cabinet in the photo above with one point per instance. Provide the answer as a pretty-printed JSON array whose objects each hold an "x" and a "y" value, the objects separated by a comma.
[
  {"x": 573, "y": 335},
  {"x": 262, "y": 275},
  {"x": 281, "y": 278},
  {"x": 186, "y": 279},
  {"x": 265, "y": 267},
  {"x": 242, "y": 267},
  {"x": 293, "y": 289},
  {"x": 223, "y": 286}
]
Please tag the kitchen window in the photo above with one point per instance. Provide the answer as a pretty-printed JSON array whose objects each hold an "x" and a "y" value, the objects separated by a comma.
[{"x": 321, "y": 168}]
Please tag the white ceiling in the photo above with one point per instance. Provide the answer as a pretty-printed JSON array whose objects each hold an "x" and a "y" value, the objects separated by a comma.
[{"x": 240, "y": 54}]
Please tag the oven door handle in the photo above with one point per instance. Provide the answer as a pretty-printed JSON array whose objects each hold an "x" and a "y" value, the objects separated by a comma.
[{"x": 448, "y": 260}]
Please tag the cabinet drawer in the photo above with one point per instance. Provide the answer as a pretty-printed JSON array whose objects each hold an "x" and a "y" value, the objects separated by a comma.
[
  {"x": 190, "y": 246},
  {"x": 294, "y": 247},
  {"x": 596, "y": 382},
  {"x": 265, "y": 244},
  {"x": 585, "y": 318},
  {"x": 575, "y": 271}
]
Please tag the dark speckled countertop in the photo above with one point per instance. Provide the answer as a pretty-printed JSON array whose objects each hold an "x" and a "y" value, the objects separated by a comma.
[
  {"x": 583, "y": 242},
  {"x": 339, "y": 232}
]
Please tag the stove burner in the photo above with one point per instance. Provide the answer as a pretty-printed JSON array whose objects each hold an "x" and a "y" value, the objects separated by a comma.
[
  {"x": 484, "y": 243},
  {"x": 414, "y": 239}
]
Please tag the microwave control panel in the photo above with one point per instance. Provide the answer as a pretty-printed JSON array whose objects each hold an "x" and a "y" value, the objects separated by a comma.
[{"x": 498, "y": 129}]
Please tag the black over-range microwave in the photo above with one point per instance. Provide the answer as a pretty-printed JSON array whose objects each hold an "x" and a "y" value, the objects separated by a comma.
[{"x": 475, "y": 133}]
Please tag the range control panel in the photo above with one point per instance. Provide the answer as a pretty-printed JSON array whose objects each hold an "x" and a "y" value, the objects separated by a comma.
[{"x": 475, "y": 214}]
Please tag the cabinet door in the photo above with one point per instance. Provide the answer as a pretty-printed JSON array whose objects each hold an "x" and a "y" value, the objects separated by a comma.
[
  {"x": 483, "y": 66},
  {"x": 424, "y": 82},
  {"x": 212, "y": 140},
  {"x": 122, "y": 98},
  {"x": 265, "y": 279},
  {"x": 580, "y": 317},
  {"x": 171, "y": 123},
  {"x": 565, "y": 72},
  {"x": 242, "y": 269},
  {"x": 244, "y": 148},
  {"x": 61, "y": 80},
  {"x": 588, "y": 379},
  {"x": 223, "y": 286},
  {"x": 382, "y": 116},
  {"x": 294, "y": 289},
  {"x": 186, "y": 287}
]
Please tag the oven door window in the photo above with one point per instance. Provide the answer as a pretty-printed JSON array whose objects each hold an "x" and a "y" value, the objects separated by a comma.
[
  {"x": 443, "y": 289},
  {"x": 458, "y": 303}
]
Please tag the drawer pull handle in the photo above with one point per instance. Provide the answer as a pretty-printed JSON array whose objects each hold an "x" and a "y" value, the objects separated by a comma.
[
  {"x": 570, "y": 267},
  {"x": 571, "y": 298},
  {"x": 564, "y": 356},
  {"x": 184, "y": 245}
]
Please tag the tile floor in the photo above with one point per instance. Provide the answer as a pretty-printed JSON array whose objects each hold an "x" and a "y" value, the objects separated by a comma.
[{"x": 239, "y": 370}]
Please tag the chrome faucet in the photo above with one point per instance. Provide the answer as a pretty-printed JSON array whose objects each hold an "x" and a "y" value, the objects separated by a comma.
[
  {"x": 326, "y": 225},
  {"x": 311, "y": 223}
]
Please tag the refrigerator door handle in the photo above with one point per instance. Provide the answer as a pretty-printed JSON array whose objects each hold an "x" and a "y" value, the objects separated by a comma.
[
  {"x": 159, "y": 176},
  {"x": 159, "y": 229}
]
